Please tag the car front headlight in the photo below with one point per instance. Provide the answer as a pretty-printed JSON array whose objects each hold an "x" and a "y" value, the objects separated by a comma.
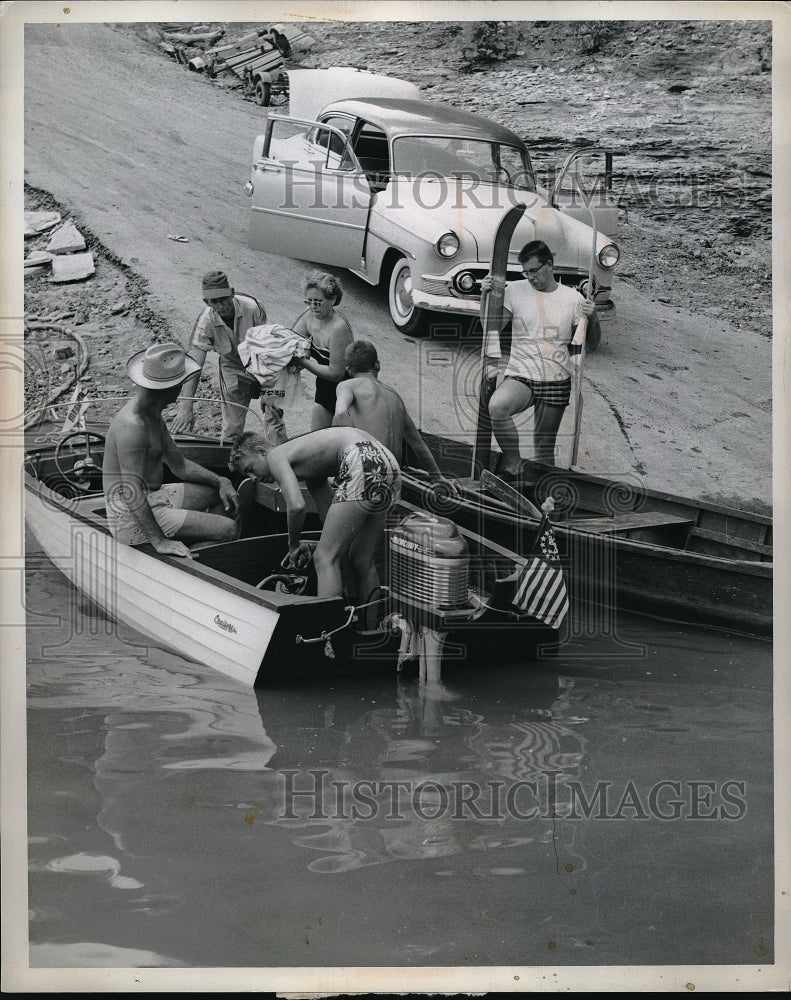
[
  {"x": 608, "y": 255},
  {"x": 448, "y": 245}
]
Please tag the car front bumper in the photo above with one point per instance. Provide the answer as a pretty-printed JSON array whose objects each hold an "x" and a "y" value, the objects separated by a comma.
[{"x": 436, "y": 293}]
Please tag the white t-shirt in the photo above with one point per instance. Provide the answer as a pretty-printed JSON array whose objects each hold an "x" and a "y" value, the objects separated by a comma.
[{"x": 542, "y": 325}]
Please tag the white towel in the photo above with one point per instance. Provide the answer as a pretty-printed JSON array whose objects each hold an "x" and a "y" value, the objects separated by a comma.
[{"x": 267, "y": 352}]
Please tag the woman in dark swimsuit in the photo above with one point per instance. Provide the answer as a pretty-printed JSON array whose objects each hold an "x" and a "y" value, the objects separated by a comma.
[{"x": 330, "y": 335}]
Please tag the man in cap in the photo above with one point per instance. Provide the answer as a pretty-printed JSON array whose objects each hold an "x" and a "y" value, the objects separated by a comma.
[
  {"x": 221, "y": 327},
  {"x": 141, "y": 508}
]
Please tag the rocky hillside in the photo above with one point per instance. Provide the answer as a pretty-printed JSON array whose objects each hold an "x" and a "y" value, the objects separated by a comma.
[{"x": 684, "y": 105}]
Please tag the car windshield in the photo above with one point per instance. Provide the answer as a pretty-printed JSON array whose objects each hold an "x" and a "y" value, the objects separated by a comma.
[{"x": 453, "y": 156}]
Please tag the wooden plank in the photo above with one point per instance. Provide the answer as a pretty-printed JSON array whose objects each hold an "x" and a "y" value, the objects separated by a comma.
[
  {"x": 735, "y": 525},
  {"x": 625, "y": 522},
  {"x": 297, "y": 37}
]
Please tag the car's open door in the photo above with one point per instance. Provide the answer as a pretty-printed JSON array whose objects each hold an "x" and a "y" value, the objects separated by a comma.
[
  {"x": 586, "y": 180},
  {"x": 310, "y": 197}
]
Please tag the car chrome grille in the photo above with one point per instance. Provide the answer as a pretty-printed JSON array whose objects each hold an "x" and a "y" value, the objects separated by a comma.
[{"x": 436, "y": 286}]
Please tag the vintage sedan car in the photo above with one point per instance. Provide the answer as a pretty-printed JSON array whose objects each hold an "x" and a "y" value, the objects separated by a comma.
[{"x": 407, "y": 194}]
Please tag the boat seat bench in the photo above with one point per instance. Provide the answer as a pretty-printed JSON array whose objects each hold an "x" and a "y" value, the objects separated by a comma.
[
  {"x": 731, "y": 541},
  {"x": 626, "y": 522}
]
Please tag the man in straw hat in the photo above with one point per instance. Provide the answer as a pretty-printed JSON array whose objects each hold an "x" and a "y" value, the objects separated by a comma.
[
  {"x": 141, "y": 509},
  {"x": 221, "y": 327}
]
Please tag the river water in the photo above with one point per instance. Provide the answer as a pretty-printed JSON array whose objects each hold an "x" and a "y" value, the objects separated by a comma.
[{"x": 611, "y": 806}]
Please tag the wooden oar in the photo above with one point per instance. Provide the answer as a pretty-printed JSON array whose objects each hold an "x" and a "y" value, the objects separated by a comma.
[{"x": 578, "y": 360}]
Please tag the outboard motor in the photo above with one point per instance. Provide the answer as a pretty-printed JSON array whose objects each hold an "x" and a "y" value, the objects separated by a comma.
[{"x": 429, "y": 563}]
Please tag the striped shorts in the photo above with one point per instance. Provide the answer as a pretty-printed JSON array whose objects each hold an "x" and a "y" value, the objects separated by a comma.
[{"x": 549, "y": 393}]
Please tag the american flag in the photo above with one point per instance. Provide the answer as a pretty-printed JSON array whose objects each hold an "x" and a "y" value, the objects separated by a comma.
[{"x": 541, "y": 587}]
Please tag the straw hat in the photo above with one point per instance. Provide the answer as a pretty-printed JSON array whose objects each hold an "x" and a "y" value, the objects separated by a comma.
[{"x": 161, "y": 367}]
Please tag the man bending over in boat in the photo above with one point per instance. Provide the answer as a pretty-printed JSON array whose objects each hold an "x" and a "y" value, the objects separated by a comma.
[
  {"x": 140, "y": 508},
  {"x": 367, "y": 484},
  {"x": 370, "y": 405}
]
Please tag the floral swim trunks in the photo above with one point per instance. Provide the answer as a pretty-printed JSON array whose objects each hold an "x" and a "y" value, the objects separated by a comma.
[{"x": 368, "y": 473}]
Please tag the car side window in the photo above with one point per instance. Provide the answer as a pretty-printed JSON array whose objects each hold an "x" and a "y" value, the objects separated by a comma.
[
  {"x": 338, "y": 156},
  {"x": 373, "y": 153},
  {"x": 333, "y": 148}
]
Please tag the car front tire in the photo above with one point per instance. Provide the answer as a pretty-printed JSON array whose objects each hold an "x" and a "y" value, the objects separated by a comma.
[{"x": 407, "y": 317}]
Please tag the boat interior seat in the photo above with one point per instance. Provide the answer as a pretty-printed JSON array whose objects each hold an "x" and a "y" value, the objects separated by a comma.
[
  {"x": 717, "y": 543},
  {"x": 268, "y": 495}
]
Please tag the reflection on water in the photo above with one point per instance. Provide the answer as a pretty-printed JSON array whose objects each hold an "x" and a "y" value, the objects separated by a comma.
[
  {"x": 98, "y": 863},
  {"x": 418, "y": 778},
  {"x": 177, "y": 818}
]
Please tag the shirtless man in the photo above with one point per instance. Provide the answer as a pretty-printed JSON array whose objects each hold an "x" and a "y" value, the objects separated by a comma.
[
  {"x": 140, "y": 509},
  {"x": 367, "y": 484},
  {"x": 365, "y": 402}
]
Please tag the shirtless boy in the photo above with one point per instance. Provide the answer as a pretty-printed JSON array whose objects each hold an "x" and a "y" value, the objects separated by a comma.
[
  {"x": 140, "y": 508},
  {"x": 367, "y": 484},
  {"x": 365, "y": 402}
]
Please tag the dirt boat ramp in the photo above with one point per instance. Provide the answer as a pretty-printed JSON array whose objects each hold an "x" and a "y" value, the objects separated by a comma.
[{"x": 138, "y": 150}]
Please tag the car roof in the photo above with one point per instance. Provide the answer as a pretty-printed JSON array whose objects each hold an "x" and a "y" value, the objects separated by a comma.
[{"x": 397, "y": 116}]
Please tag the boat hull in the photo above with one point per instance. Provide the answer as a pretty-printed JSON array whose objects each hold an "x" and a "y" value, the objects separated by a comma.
[
  {"x": 183, "y": 605},
  {"x": 213, "y": 609},
  {"x": 627, "y": 548},
  {"x": 199, "y": 622},
  {"x": 623, "y": 549}
]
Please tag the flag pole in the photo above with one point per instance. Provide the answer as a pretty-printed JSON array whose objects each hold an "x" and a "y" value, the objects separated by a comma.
[{"x": 546, "y": 509}]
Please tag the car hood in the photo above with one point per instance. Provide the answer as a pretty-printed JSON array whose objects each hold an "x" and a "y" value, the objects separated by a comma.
[{"x": 429, "y": 207}]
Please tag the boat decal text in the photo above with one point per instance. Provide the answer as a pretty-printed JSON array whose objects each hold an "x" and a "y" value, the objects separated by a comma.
[{"x": 225, "y": 624}]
